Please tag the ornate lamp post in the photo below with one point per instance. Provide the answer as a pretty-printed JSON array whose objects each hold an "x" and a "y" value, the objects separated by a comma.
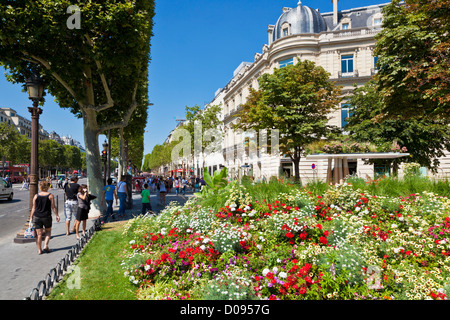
[
  {"x": 35, "y": 88},
  {"x": 105, "y": 159}
]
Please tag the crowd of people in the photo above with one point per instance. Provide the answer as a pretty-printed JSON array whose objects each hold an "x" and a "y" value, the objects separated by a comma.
[{"x": 78, "y": 201}]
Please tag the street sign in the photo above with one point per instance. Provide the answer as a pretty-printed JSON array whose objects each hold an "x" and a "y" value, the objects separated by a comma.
[{"x": 313, "y": 166}]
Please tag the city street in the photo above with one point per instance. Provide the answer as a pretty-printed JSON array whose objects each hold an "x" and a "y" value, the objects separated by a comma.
[{"x": 13, "y": 214}]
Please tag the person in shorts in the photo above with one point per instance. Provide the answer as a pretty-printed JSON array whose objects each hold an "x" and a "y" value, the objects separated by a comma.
[
  {"x": 84, "y": 204},
  {"x": 41, "y": 216},
  {"x": 71, "y": 203},
  {"x": 162, "y": 187}
]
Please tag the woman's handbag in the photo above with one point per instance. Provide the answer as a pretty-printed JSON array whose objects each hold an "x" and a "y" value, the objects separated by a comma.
[{"x": 30, "y": 232}]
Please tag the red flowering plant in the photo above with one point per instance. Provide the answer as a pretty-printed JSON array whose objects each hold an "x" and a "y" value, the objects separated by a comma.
[
  {"x": 288, "y": 283},
  {"x": 171, "y": 258}
]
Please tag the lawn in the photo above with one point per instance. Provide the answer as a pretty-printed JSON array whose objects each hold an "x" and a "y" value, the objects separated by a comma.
[{"x": 100, "y": 274}]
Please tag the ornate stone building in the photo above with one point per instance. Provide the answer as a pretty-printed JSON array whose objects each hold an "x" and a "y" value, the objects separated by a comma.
[{"x": 342, "y": 42}]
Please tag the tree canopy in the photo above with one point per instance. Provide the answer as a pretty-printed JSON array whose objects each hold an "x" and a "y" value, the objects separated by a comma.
[
  {"x": 413, "y": 50},
  {"x": 424, "y": 138},
  {"x": 94, "y": 71}
]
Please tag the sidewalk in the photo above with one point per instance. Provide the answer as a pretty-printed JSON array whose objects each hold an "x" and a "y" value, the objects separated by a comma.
[{"x": 21, "y": 268}]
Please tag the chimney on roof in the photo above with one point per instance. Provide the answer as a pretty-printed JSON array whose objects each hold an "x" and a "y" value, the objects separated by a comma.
[{"x": 335, "y": 12}]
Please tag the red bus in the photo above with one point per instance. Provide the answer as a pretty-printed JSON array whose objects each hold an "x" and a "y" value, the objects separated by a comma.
[{"x": 16, "y": 172}]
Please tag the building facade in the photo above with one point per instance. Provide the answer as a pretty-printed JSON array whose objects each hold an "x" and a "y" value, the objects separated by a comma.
[
  {"x": 340, "y": 41},
  {"x": 23, "y": 126}
]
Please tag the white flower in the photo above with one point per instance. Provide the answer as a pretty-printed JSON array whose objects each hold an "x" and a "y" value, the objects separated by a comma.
[
  {"x": 265, "y": 271},
  {"x": 132, "y": 242},
  {"x": 275, "y": 270},
  {"x": 282, "y": 275},
  {"x": 202, "y": 247},
  {"x": 393, "y": 226}
]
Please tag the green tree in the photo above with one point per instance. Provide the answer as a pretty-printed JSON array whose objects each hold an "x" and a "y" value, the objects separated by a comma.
[
  {"x": 94, "y": 71},
  {"x": 203, "y": 127},
  {"x": 424, "y": 138},
  {"x": 13, "y": 146},
  {"x": 73, "y": 157},
  {"x": 414, "y": 60},
  {"x": 296, "y": 100}
]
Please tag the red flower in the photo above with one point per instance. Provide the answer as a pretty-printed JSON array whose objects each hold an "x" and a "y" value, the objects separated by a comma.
[
  {"x": 323, "y": 240},
  {"x": 289, "y": 235},
  {"x": 269, "y": 275},
  {"x": 257, "y": 278},
  {"x": 303, "y": 235},
  {"x": 154, "y": 238},
  {"x": 149, "y": 261},
  {"x": 326, "y": 233},
  {"x": 302, "y": 290},
  {"x": 319, "y": 226}
]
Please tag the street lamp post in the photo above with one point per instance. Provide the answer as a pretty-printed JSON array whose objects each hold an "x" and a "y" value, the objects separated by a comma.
[
  {"x": 105, "y": 159},
  {"x": 35, "y": 87}
]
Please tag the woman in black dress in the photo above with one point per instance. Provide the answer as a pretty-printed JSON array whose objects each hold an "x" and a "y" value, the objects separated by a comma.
[
  {"x": 41, "y": 215},
  {"x": 83, "y": 208}
]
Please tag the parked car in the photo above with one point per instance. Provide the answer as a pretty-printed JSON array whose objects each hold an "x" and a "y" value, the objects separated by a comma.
[{"x": 6, "y": 191}]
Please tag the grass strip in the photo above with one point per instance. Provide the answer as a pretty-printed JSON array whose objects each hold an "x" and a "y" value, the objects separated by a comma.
[{"x": 97, "y": 272}]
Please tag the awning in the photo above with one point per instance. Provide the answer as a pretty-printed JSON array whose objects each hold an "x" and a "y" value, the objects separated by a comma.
[
  {"x": 368, "y": 155},
  {"x": 341, "y": 162}
]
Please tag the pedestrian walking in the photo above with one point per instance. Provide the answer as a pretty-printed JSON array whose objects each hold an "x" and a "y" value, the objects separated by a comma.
[
  {"x": 71, "y": 203},
  {"x": 183, "y": 186},
  {"x": 84, "y": 204},
  {"x": 177, "y": 185},
  {"x": 146, "y": 205},
  {"x": 109, "y": 194},
  {"x": 162, "y": 187},
  {"x": 41, "y": 216},
  {"x": 24, "y": 184},
  {"x": 122, "y": 194}
]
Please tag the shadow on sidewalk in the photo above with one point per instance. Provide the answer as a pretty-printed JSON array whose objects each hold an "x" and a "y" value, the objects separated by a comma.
[{"x": 157, "y": 207}]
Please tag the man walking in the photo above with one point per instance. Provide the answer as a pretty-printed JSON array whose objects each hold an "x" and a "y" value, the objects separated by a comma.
[{"x": 71, "y": 204}]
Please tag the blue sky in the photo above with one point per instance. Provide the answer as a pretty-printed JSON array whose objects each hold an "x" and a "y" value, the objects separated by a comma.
[{"x": 195, "y": 49}]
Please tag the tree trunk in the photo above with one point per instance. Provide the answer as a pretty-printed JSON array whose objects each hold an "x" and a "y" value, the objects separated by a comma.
[
  {"x": 296, "y": 161},
  {"x": 94, "y": 175},
  {"x": 120, "y": 160}
]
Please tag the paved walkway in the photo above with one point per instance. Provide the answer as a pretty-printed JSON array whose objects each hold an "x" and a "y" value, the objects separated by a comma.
[{"x": 21, "y": 268}]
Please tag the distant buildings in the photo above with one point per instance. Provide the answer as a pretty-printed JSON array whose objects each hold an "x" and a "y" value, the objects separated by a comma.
[{"x": 23, "y": 126}]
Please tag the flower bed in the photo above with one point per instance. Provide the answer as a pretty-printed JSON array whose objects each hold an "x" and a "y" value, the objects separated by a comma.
[{"x": 343, "y": 244}]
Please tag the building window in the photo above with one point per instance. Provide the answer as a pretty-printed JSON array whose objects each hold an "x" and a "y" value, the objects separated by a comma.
[
  {"x": 285, "y": 32},
  {"x": 347, "y": 65},
  {"x": 345, "y": 113},
  {"x": 287, "y": 62},
  {"x": 345, "y": 26},
  {"x": 377, "y": 21}
]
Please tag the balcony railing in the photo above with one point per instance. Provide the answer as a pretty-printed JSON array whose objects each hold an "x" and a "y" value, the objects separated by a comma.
[{"x": 353, "y": 74}]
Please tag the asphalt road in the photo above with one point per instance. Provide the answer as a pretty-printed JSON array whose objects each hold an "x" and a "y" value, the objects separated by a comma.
[{"x": 14, "y": 214}]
